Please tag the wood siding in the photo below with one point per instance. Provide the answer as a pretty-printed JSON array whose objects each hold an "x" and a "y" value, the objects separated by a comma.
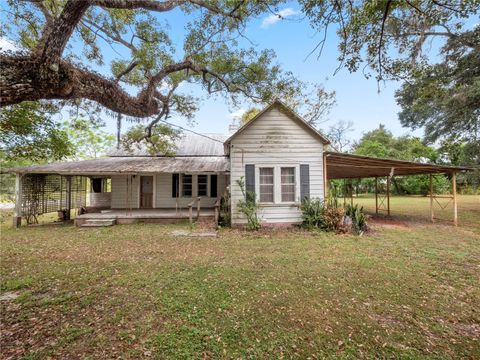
[
  {"x": 119, "y": 192},
  {"x": 162, "y": 192},
  {"x": 276, "y": 140}
]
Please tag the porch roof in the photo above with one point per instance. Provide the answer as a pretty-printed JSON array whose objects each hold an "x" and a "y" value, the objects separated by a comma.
[{"x": 130, "y": 165}]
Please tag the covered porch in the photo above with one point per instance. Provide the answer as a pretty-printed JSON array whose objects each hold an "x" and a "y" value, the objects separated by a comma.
[{"x": 124, "y": 189}]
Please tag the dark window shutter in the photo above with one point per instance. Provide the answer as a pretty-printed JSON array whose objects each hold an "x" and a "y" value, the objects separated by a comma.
[
  {"x": 304, "y": 181},
  {"x": 175, "y": 185},
  {"x": 213, "y": 186},
  {"x": 250, "y": 178}
]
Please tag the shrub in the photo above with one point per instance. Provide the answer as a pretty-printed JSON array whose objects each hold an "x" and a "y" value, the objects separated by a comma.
[
  {"x": 312, "y": 213},
  {"x": 318, "y": 216},
  {"x": 224, "y": 219},
  {"x": 357, "y": 216},
  {"x": 333, "y": 218},
  {"x": 249, "y": 206}
]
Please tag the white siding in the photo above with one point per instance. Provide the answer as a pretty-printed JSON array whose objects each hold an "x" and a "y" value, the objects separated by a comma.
[
  {"x": 162, "y": 191},
  {"x": 119, "y": 192},
  {"x": 164, "y": 199},
  {"x": 276, "y": 140}
]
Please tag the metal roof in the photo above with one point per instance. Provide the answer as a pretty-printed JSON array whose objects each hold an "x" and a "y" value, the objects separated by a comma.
[
  {"x": 344, "y": 166},
  {"x": 130, "y": 165},
  {"x": 186, "y": 145}
]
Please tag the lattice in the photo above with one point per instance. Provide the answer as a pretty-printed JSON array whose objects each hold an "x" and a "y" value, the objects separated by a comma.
[{"x": 43, "y": 194}]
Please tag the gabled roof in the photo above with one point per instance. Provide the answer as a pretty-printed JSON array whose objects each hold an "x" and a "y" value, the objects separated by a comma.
[{"x": 293, "y": 115}]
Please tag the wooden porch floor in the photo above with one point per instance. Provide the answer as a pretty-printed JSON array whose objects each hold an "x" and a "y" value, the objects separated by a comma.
[{"x": 147, "y": 214}]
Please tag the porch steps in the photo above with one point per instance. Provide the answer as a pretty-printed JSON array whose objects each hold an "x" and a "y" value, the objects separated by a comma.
[{"x": 98, "y": 223}]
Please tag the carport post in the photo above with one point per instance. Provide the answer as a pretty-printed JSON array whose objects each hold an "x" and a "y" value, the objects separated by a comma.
[
  {"x": 17, "y": 216},
  {"x": 376, "y": 195},
  {"x": 388, "y": 195},
  {"x": 454, "y": 188},
  {"x": 431, "y": 197}
]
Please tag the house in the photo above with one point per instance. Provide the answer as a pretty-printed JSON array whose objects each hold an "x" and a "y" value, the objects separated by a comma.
[{"x": 281, "y": 158}]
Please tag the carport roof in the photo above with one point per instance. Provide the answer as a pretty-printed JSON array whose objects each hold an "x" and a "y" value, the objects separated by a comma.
[{"x": 345, "y": 166}]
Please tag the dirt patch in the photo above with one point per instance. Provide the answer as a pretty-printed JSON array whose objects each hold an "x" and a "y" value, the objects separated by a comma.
[
  {"x": 9, "y": 296},
  {"x": 389, "y": 223}
]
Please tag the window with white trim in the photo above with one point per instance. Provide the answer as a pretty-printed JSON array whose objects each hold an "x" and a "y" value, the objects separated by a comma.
[
  {"x": 287, "y": 184},
  {"x": 202, "y": 181},
  {"x": 187, "y": 185},
  {"x": 266, "y": 184}
]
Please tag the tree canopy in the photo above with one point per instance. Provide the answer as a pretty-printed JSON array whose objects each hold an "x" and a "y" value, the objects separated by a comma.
[
  {"x": 63, "y": 43},
  {"x": 444, "y": 98},
  {"x": 387, "y": 36}
]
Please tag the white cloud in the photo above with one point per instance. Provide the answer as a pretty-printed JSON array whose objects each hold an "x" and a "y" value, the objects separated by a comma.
[
  {"x": 237, "y": 115},
  {"x": 274, "y": 18},
  {"x": 6, "y": 45}
]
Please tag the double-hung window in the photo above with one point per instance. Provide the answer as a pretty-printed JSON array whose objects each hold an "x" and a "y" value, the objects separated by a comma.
[
  {"x": 288, "y": 184},
  {"x": 187, "y": 185},
  {"x": 266, "y": 185},
  {"x": 202, "y": 181}
]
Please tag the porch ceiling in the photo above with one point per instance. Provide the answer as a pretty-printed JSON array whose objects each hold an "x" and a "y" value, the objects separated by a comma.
[
  {"x": 130, "y": 165},
  {"x": 344, "y": 166}
]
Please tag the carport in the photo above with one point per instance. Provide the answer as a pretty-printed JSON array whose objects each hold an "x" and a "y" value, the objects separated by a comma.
[{"x": 347, "y": 166}]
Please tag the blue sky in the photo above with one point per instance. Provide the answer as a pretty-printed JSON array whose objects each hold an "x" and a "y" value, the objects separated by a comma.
[{"x": 358, "y": 99}]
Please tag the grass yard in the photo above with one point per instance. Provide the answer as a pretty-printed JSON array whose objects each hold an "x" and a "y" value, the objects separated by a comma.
[{"x": 409, "y": 290}]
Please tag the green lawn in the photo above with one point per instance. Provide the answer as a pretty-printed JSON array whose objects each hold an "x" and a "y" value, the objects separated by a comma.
[{"x": 409, "y": 290}]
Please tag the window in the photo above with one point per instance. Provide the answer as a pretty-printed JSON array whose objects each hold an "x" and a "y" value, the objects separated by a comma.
[
  {"x": 187, "y": 185},
  {"x": 202, "y": 181},
  {"x": 288, "y": 184},
  {"x": 266, "y": 184},
  {"x": 213, "y": 186},
  {"x": 175, "y": 185}
]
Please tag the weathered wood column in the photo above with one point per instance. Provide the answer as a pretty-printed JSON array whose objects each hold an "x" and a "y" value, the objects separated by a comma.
[
  {"x": 430, "y": 186},
  {"x": 325, "y": 179},
  {"x": 17, "y": 216},
  {"x": 69, "y": 197},
  {"x": 454, "y": 189},
  {"x": 388, "y": 195}
]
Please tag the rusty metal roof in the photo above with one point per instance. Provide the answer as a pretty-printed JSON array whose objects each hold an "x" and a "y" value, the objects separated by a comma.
[
  {"x": 130, "y": 165},
  {"x": 344, "y": 166},
  {"x": 186, "y": 145}
]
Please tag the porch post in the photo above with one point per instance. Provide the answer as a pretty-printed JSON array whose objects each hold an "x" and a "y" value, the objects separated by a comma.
[
  {"x": 388, "y": 195},
  {"x": 454, "y": 188},
  {"x": 376, "y": 195},
  {"x": 17, "y": 216},
  {"x": 69, "y": 197},
  {"x": 431, "y": 198},
  {"x": 325, "y": 179}
]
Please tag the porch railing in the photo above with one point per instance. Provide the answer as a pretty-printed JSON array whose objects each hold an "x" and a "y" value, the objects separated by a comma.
[{"x": 190, "y": 209}]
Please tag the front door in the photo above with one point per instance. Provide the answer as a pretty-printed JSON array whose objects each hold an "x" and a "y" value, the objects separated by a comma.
[{"x": 146, "y": 192}]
